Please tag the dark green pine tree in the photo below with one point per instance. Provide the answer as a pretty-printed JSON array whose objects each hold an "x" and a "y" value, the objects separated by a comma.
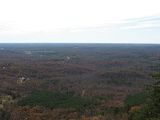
[{"x": 151, "y": 109}]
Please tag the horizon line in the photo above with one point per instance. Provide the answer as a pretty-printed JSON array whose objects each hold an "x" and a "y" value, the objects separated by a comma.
[{"x": 71, "y": 43}]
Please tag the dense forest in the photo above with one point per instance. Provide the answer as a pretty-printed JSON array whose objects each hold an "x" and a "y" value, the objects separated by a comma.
[{"x": 79, "y": 82}]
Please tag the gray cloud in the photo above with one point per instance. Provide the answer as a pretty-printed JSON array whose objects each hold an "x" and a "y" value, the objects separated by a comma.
[
  {"x": 149, "y": 22},
  {"x": 142, "y": 23}
]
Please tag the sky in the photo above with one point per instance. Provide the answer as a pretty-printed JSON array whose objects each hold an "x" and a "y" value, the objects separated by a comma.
[{"x": 80, "y": 21}]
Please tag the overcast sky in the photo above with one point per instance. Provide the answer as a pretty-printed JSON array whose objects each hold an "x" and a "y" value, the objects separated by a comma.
[{"x": 80, "y": 21}]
